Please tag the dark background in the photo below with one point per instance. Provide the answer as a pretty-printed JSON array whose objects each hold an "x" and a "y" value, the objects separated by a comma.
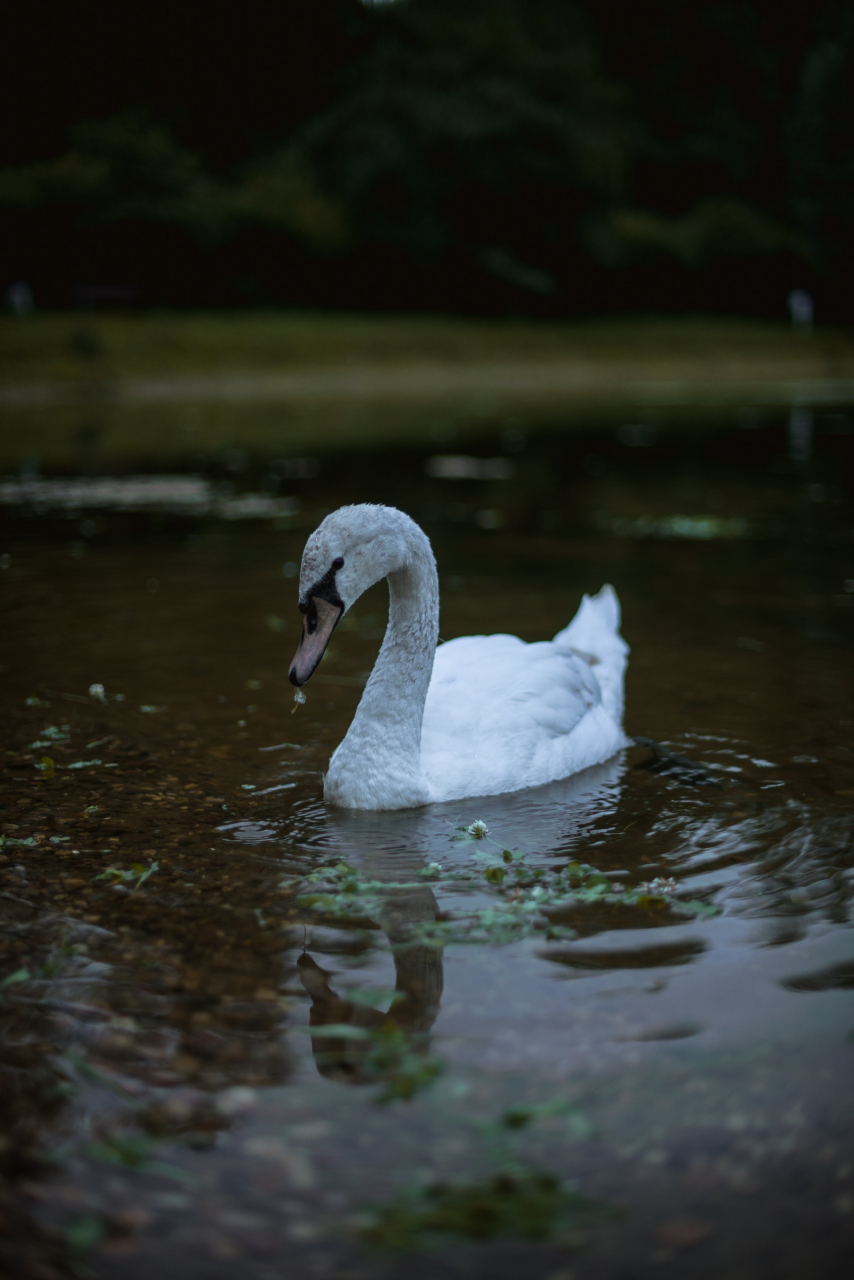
[{"x": 488, "y": 156}]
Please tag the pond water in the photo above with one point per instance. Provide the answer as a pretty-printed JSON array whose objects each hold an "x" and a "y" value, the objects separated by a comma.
[{"x": 613, "y": 1037}]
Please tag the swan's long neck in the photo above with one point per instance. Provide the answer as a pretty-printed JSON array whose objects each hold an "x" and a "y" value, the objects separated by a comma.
[{"x": 379, "y": 760}]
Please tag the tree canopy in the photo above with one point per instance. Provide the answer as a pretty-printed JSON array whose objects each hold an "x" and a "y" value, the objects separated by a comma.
[{"x": 487, "y": 155}]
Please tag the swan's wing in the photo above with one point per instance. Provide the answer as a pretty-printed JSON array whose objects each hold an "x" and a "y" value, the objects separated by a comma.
[
  {"x": 594, "y": 634},
  {"x": 499, "y": 712}
]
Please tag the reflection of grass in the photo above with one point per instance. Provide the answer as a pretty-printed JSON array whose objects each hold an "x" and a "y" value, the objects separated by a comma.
[{"x": 531, "y": 1205}]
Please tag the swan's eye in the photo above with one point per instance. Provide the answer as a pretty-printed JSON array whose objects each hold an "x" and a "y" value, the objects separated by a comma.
[{"x": 338, "y": 562}]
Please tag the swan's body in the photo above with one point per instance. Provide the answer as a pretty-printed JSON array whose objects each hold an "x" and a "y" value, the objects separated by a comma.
[{"x": 481, "y": 715}]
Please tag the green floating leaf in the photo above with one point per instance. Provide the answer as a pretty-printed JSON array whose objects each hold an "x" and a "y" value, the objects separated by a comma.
[
  {"x": 370, "y": 997},
  {"x": 20, "y": 975},
  {"x": 521, "y": 1116},
  {"x": 85, "y": 1233},
  {"x": 405, "y": 1074},
  {"x": 137, "y": 872},
  {"x": 531, "y": 1205},
  {"x": 131, "y": 1150},
  {"x": 405, "y": 1083},
  {"x": 94, "y": 1076},
  {"x": 51, "y": 735},
  {"x": 173, "y": 1171},
  {"x": 338, "y": 1031}
]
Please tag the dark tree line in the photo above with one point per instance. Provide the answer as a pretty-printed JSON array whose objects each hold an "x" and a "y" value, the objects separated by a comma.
[{"x": 486, "y": 155}]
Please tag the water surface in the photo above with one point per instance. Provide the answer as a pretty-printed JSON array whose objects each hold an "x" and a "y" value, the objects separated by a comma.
[{"x": 226, "y": 1052}]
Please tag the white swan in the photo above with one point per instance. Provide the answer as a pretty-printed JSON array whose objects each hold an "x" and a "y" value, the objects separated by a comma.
[{"x": 478, "y": 716}]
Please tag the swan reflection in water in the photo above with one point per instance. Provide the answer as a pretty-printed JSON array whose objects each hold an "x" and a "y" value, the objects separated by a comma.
[
  {"x": 417, "y": 992},
  {"x": 548, "y": 823}
]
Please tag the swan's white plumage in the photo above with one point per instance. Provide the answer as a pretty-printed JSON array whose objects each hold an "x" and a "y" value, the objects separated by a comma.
[
  {"x": 494, "y": 714},
  {"x": 502, "y": 714}
]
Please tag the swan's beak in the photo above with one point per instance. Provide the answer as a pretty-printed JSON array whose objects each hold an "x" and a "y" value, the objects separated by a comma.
[{"x": 321, "y": 619}]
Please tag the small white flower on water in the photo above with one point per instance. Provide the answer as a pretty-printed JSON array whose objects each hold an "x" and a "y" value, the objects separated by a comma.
[
  {"x": 299, "y": 699},
  {"x": 96, "y": 691},
  {"x": 478, "y": 829},
  {"x": 660, "y": 886}
]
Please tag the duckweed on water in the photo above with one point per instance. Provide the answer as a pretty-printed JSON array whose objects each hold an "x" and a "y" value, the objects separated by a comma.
[
  {"x": 403, "y": 1071},
  {"x": 532, "y": 1205},
  {"x": 20, "y": 975},
  {"x": 137, "y": 873},
  {"x": 85, "y": 1233},
  {"x": 526, "y": 898},
  {"x": 52, "y": 736},
  {"x": 389, "y": 1058},
  {"x": 514, "y": 1199},
  {"x": 135, "y": 1151}
]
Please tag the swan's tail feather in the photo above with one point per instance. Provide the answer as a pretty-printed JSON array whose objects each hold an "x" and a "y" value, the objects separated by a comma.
[
  {"x": 595, "y": 629},
  {"x": 595, "y": 633}
]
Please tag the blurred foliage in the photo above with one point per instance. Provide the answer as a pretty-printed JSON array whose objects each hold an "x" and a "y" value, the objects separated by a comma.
[
  {"x": 126, "y": 167},
  {"x": 473, "y": 122},
  {"x": 723, "y": 227},
  {"x": 481, "y": 154},
  {"x": 131, "y": 168},
  {"x": 821, "y": 143}
]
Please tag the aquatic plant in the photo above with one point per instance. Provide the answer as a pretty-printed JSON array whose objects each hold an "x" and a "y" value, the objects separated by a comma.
[
  {"x": 532, "y": 1205},
  {"x": 135, "y": 875},
  {"x": 526, "y": 898}
]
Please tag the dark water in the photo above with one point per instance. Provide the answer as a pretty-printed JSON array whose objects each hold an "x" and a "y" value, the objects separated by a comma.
[{"x": 625, "y": 1083}]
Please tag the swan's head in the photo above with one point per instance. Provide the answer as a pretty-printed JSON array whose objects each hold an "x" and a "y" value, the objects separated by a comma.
[{"x": 352, "y": 549}]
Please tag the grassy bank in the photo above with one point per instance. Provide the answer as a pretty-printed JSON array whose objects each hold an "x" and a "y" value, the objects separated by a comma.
[
  {"x": 93, "y": 390},
  {"x": 86, "y": 347}
]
